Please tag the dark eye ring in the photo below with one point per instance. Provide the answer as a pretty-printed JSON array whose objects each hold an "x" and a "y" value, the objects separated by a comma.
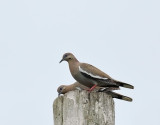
[{"x": 60, "y": 89}]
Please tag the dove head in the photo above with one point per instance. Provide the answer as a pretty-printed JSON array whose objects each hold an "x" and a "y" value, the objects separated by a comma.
[
  {"x": 61, "y": 89},
  {"x": 68, "y": 57}
]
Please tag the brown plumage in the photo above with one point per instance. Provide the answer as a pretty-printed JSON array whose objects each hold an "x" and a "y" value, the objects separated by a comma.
[
  {"x": 89, "y": 75},
  {"x": 77, "y": 86}
]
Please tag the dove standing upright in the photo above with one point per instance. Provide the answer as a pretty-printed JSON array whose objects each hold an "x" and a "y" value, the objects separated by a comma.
[{"x": 89, "y": 75}]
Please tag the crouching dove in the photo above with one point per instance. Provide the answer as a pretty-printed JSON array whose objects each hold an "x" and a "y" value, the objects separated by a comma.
[{"x": 62, "y": 89}]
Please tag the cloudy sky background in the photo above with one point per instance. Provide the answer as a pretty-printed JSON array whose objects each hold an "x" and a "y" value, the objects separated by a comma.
[{"x": 120, "y": 37}]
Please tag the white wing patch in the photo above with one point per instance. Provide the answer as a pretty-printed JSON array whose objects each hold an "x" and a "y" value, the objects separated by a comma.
[
  {"x": 90, "y": 74},
  {"x": 102, "y": 89},
  {"x": 78, "y": 88}
]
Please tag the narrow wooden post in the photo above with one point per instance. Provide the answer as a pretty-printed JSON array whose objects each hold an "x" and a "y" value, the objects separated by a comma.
[{"x": 84, "y": 108}]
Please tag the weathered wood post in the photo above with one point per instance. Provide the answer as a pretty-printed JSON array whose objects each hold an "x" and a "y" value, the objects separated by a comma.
[{"x": 84, "y": 108}]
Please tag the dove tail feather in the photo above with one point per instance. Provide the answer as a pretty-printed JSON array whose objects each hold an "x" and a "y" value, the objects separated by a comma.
[
  {"x": 122, "y": 84},
  {"x": 119, "y": 96}
]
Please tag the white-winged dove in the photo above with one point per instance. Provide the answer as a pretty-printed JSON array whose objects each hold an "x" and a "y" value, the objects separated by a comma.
[
  {"x": 77, "y": 86},
  {"x": 89, "y": 75}
]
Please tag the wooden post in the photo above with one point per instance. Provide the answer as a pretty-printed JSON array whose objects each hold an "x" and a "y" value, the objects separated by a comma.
[{"x": 84, "y": 108}]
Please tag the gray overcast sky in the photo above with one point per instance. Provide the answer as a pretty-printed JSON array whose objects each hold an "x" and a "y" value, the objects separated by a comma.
[{"x": 120, "y": 37}]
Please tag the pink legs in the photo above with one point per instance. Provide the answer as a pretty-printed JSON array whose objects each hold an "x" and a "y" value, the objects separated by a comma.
[{"x": 92, "y": 88}]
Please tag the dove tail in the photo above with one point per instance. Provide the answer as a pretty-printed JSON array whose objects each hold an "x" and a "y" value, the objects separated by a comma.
[
  {"x": 122, "y": 84},
  {"x": 119, "y": 96}
]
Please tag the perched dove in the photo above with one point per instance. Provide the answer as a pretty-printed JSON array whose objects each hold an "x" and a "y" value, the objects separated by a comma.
[
  {"x": 89, "y": 75},
  {"x": 77, "y": 86}
]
